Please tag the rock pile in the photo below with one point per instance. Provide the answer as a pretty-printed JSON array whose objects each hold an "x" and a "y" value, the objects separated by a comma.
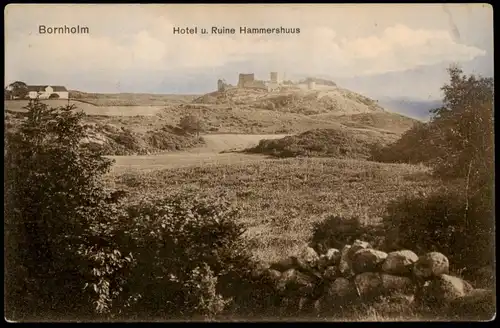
[{"x": 360, "y": 273}]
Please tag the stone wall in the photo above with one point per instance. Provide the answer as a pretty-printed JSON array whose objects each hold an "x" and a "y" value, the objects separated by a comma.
[
  {"x": 358, "y": 273},
  {"x": 244, "y": 80}
]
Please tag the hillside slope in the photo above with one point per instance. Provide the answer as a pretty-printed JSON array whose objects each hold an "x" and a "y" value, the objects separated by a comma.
[
  {"x": 295, "y": 100},
  {"x": 338, "y": 143},
  {"x": 379, "y": 120}
]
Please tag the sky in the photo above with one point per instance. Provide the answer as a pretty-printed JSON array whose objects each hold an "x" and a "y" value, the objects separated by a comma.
[{"x": 379, "y": 50}]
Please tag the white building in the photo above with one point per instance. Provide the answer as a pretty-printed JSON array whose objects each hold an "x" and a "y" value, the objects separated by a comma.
[{"x": 47, "y": 92}]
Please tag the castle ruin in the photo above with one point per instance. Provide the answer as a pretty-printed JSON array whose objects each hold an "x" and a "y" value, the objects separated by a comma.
[
  {"x": 247, "y": 80},
  {"x": 275, "y": 78},
  {"x": 221, "y": 85}
]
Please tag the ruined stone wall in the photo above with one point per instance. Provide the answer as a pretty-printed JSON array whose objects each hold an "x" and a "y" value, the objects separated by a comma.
[
  {"x": 221, "y": 85},
  {"x": 359, "y": 273},
  {"x": 245, "y": 80},
  {"x": 275, "y": 78}
]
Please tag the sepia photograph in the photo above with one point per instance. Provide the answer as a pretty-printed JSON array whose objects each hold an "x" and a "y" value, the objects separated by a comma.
[{"x": 249, "y": 163}]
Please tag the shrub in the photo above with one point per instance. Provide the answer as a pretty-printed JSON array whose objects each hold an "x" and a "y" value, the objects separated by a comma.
[
  {"x": 318, "y": 142},
  {"x": 166, "y": 139},
  {"x": 191, "y": 124},
  {"x": 440, "y": 222},
  {"x": 54, "y": 197},
  {"x": 416, "y": 145},
  {"x": 186, "y": 250},
  {"x": 336, "y": 232}
]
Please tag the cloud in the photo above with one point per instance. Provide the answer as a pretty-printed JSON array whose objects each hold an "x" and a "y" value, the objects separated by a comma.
[{"x": 147, "y": 44}]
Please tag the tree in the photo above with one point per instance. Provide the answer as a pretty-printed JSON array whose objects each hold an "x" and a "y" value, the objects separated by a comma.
[
  {"x": 191, "y": 124},
  {"x": 54, "y": 96},
  {"x": 7, "y": 95},
  {"x": 464, "y": 127},
  {"x": 18, "y": 89},
  {"x": 459, "y": 219},
  {"x": 54, "y": 200}
]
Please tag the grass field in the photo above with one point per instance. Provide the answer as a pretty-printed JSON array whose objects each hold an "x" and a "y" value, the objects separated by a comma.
[
  {"x": 281, "y": 199},
  {"x": 130, "y": 99},
  {"x": 90, "y": 109},
  {"x": 209, "y": 154}
]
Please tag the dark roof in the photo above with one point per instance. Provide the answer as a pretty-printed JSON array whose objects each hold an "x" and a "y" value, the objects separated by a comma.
[{"x": 41, "y": 88}]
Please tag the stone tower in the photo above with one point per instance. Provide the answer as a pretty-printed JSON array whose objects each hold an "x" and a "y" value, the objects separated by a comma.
[
  {"x": 221, "y": 86},
  {"x": 275, "y": 78},
  {"x": 245, "y": 80}
]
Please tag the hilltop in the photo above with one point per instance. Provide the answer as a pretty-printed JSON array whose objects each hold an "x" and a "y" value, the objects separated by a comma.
[{"x": 295, "y": 100}]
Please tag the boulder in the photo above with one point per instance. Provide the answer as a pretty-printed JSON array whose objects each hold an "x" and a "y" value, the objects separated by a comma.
[
  {"x": 259, "y": 270},
  {"x": 307, "y": 259},
  {"x": 322, "y": 262},
  {"x": 445, "y": 289},
  {"x": 433, "y": 264},
  {"x": 295, "y": 283},
  {"x": 368, "y": 284},
  {"x": 392, "y": 284},
  {"x": 399, "y": 262},
  {"x": 332, "y": 257},
  {"x": 331, "y": 273},
  {"x": 367, "y": 260},
  {"x": 358, "y": 245},
  {"x": 340, "y": 288},
  {"x": 345, "y": 262}
]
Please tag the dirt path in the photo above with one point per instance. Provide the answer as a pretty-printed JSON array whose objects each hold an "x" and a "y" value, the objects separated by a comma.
[{"x": 206, "y": 155}]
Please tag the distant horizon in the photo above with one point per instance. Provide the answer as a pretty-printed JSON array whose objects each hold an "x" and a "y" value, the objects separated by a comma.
[{"x": 70, "y": 89}]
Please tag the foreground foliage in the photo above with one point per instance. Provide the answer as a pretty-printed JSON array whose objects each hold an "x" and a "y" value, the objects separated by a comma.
[
  {"x": 458, "y": 144},
  {"x": 72, "y": 248}
]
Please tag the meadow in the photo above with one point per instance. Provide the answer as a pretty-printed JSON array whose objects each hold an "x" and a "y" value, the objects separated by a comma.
[{"x": 282, "y": 198}]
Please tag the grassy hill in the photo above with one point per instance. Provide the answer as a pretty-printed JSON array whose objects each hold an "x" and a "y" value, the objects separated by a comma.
[
  {"x": 249, "y": 111},
  {"x": 338, "y": 143},
  {"x": 380, "y": 120},
  {"x": 295, "y": 100},
  {"x": 122, "y": 140}
]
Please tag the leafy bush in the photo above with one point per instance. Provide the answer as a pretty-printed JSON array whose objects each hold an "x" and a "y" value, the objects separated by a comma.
[
  {"x": 53, "y": 198},
  {"x": 336, "y": 232},
  {"x": 417, "y": 145},
  {"x": 318, "y": 142},
  {"x": 110, "y": 140},
  {"x": 191, "y": 124},
  {"x": 185, "y": 250},
  {"x": 170, "y": 139},
  {"x": 440, "y": 222}
]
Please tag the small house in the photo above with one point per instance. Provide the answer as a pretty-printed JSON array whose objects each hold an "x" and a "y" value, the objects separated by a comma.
[{"x": 47, "y": 92}]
